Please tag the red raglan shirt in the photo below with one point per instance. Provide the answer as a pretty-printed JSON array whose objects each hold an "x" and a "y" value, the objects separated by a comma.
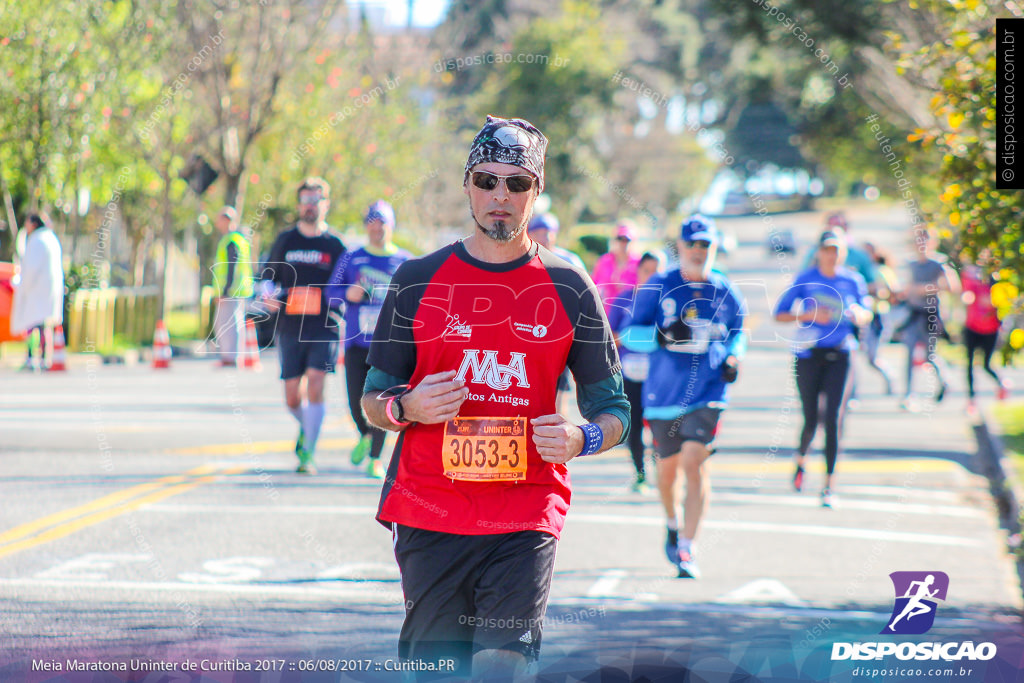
[{"x": 509, "y": 330}]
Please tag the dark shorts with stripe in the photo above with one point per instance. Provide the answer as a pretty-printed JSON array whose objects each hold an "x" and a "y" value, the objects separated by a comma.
[
  {"x": 697, "y": 425},
  {"x": 464, "y": 594},
  {"x": 298, "y": 355}
]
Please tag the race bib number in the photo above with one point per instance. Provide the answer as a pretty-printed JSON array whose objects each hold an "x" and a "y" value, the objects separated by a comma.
[
  {"x": 303, "y": 301},
  {"x": 485, "y": 449},
  {"x": 368, "y": 318}
]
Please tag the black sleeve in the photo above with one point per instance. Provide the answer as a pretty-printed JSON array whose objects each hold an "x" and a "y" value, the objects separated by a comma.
[
  {"x": 606, "y": 397},
  {"x": 592, "y": 356},
  {"x": 272, "y": 268},
  {"x": 232, "y": 251}
]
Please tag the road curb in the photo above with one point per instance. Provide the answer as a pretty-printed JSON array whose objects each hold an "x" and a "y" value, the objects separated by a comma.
[{"x": 1005, "y": 491}]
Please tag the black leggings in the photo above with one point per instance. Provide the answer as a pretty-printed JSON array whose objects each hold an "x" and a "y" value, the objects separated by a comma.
[
  {"x": 823, "y": 372},
  {"x": 634, "y": 392},
  {"x": 356, "y": 369},
  {"x": 987, "y": 343}
]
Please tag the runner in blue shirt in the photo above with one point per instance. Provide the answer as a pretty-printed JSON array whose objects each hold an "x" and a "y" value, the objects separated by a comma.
[
  {"x": 635, "y": 366},
  {"x": 830, "y": 303},
  {"x": 361, "y": 279},
  {"x": 697, "y": 318}
]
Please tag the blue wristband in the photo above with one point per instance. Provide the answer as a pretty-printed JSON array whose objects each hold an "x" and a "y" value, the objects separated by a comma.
[{"x": 593, "y": 438}]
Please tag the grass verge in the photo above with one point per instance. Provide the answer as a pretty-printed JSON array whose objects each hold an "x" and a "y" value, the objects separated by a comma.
[{"x": 1010, "y": 422}]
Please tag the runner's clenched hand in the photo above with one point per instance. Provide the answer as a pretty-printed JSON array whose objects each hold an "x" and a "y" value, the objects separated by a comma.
[
  {"x": 436, "y": 399},
  {"x": 557, "y": 440}
]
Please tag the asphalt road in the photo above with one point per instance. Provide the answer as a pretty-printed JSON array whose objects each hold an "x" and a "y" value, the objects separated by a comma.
[{"x": 154, "y": 517}]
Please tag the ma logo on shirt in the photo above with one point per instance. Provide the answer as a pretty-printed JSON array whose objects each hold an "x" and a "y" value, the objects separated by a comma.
[{"x": 488, "y": 371}]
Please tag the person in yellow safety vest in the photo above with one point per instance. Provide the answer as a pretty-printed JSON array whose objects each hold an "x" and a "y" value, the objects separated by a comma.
[{"x": 233, "y": 283}]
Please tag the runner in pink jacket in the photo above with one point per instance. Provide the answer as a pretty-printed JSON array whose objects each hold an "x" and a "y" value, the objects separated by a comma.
[{"x": 616, "y": 270}]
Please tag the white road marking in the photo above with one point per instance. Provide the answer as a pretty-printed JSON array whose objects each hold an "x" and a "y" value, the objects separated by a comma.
[
  {"x": 806, "y": 529},
  {"x": 772, "y": 612},
  {"x": 897, "y": 491},
  {"x": 586, "y": 493},
  {"x": 872, "y": 534},
  {"x": 853, "y": 504},
  {"x": 366, "y": 592},
  {"x": 762, "y": 590},
  {"x": 606, "y": 584}
]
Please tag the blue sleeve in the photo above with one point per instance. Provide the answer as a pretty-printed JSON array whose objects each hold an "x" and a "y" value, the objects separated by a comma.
[
  {"x": 736, "y": 340},
  {"x": 789, "y": 297},
  {"x": 645, "y": 305},
  {"x": 334, "y": 292},
  {"x": 618, "y": 311},
  {"x": 637, "y": 330},
  {"x": 861, "y": 291}
]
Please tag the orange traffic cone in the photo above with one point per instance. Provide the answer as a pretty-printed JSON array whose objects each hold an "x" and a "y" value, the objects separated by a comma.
[
  {"x": 251, "y": 360},
  {"x": 59, "y": 357},
  {"x": 161, "y": 346}
]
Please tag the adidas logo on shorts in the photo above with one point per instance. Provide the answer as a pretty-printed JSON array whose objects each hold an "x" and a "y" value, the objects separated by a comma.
[{"x": 526, "y": 638}]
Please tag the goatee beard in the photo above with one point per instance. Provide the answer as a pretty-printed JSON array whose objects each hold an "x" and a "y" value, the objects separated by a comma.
[{"x": 501, "y": 232}]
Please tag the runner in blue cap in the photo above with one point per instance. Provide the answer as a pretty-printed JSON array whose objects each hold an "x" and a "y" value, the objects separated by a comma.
[{"x": 691, "y": 319}]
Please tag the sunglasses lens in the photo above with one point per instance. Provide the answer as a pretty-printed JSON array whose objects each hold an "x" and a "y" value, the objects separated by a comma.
[
  {"x": 514, "y": 183},
  {"x": 519, "y": 183},
  {"x": 485, "y": 181}
]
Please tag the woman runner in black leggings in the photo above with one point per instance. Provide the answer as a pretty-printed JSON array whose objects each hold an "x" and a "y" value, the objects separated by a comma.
[{"x": 830, "y": 302}]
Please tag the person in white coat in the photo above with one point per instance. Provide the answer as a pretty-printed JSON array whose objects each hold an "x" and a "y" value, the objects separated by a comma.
[{"x": 39, "y": 291}]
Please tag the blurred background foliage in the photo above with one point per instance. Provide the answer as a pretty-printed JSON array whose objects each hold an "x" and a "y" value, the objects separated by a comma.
[{"x": 107, "y": 102}]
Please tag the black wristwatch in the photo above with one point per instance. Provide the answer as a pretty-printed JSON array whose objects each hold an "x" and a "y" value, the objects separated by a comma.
[{"x": 399, "y": 411}]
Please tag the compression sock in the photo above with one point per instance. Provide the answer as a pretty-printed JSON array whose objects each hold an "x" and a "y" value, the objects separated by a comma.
[{"x": 312, "y": 419}]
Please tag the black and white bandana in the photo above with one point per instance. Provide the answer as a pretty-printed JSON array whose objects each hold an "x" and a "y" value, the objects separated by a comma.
[{"x": 509, "y": 141}]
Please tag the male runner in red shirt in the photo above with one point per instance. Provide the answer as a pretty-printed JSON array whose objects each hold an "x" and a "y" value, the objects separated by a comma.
[{"x": 465, "y": 362}]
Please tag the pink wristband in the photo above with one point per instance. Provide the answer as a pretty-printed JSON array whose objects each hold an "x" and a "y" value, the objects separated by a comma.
[{"x": 387, "y": 411}]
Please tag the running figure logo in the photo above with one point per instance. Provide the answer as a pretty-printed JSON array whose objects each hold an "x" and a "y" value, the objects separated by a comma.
[{"x": 916, "y": 595}]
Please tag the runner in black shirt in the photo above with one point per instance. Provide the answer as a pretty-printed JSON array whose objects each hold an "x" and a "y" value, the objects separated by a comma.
[{"x": 300, "y": 265}]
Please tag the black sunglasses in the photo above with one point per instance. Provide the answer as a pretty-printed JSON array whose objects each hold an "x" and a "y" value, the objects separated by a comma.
[
  {"x": 514, "y": 183},
  {"x": 700, "y": 244}
]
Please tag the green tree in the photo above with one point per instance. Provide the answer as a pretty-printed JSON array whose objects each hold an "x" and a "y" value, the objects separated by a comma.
[{"x": 959, "y": 67}]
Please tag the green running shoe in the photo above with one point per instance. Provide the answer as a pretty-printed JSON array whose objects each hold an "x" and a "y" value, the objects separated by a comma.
[
  {"x": 361, "y": 449},
  {"x": 375, "y": 468}
]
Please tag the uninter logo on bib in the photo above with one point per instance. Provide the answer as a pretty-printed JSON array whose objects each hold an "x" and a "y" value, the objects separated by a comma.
[
  {"x": 917, "y": 594},
  {"x": 487, "y": 370}
]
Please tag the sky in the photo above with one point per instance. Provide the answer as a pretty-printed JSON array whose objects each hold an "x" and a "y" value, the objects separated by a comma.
[{"x": 425, "y": 12}]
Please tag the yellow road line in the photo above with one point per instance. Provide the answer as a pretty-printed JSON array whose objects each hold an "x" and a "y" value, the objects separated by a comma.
[
  {"x": 258, "y": 447},
  {"x": 106, "y": 501},
  {"x": 107, "y": 507}
]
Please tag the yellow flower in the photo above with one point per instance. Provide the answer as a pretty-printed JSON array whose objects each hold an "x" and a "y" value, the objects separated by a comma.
[{"x": 1017, "y": 339}]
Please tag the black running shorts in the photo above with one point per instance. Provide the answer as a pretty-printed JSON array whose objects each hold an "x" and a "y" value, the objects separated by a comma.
[
  {"x": 698, "y": 425},
  {"x": 464, "y": 594},
  {"x": 298, "y": 356}
]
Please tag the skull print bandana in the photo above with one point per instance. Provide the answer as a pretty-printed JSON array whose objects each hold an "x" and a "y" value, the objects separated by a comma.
[{"x": 509, "y": 141}]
